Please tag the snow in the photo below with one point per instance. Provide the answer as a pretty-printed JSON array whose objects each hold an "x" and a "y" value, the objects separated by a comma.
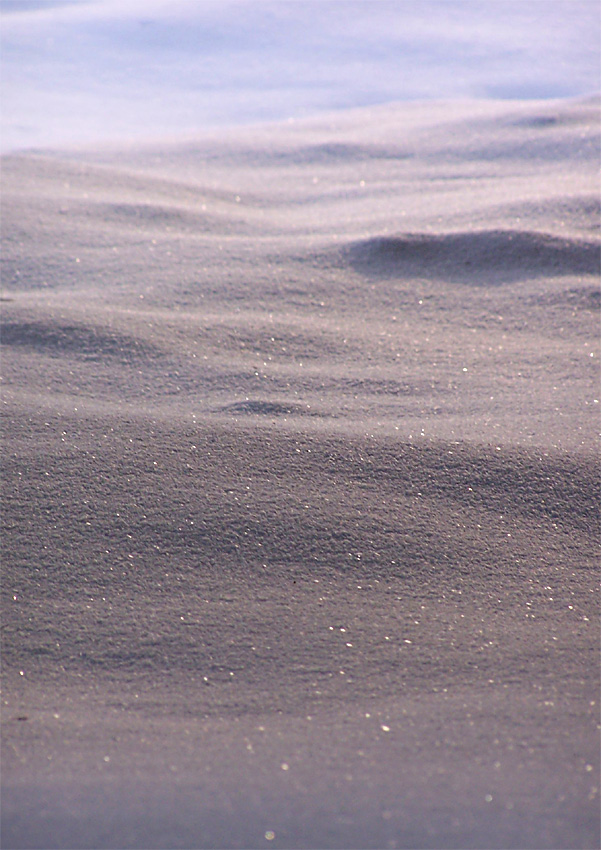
[{"x": 119, "y": 70}]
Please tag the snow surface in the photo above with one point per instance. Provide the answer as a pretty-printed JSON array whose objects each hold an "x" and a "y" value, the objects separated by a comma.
[{"x": 80, "y": 72}]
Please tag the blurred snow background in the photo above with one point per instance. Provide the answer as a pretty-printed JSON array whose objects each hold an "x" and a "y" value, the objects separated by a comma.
[{"x": 93, "y": 70}]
